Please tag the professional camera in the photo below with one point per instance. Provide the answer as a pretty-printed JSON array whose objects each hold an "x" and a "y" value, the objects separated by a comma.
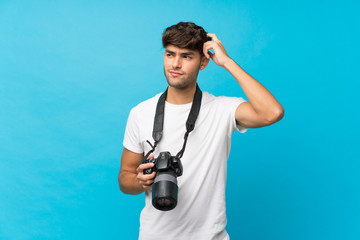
[{"x": 165, "y": 189}]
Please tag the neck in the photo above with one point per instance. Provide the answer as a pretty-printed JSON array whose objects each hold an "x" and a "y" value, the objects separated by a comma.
[{"x": 181, "y": 96}]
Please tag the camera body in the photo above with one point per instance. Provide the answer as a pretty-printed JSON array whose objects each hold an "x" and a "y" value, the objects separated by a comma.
[
  {"x": 164, "y": 190},
  {"x": 164, "y": 162}
]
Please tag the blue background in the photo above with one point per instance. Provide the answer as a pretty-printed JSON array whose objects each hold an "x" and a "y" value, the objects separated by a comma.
[{"x": 70, "y": 71}]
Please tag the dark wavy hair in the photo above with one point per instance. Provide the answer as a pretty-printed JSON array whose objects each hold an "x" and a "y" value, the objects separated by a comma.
[{"x": 185, "y": 35}]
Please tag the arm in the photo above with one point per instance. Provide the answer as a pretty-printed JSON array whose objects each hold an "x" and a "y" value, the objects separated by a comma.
[
  {"x": 131, "y": 177},
  {"x": 262, "y": 109}
]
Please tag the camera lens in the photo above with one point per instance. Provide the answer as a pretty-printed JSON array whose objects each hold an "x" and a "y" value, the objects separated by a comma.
[
  {"x": 164, "y": 192},
  {"x": 165, "y": 203}
]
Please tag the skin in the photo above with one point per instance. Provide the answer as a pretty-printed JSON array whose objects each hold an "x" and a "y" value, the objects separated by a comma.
[
  {"x": 261, "y": 110},
  {"x": 188, "y": 62}
]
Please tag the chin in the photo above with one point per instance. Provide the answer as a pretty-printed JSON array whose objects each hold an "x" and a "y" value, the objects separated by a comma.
[{"x": 178, "y": 83}]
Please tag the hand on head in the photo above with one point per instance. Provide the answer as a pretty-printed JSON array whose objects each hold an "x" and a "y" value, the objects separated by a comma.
[{"x": 220, "y": 57}]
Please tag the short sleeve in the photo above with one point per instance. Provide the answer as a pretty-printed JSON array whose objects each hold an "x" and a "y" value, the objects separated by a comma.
[
  {"x": 132, "y": 134},
  {"x": 235, "y": 103}
]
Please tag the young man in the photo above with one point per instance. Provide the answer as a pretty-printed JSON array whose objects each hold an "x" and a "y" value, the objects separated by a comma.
[{"x": 200, "y": 212}]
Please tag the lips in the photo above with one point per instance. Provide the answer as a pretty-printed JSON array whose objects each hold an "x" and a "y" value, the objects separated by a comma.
[{"x": 173, "y": 73}]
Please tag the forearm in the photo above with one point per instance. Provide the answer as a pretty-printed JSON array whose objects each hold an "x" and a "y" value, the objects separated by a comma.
[
  {"x": 263, "y": 102},
  {"x": 129, "y": 184}
]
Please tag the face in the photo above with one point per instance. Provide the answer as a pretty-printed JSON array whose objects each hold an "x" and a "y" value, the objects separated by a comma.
[{"x": 181, "y": 66}]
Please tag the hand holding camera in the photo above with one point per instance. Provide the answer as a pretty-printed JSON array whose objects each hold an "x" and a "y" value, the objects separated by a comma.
[{"x": 146, "y": 180}]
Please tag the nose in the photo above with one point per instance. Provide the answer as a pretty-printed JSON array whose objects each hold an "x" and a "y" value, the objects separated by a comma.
[{"x": 177, "y": 62}]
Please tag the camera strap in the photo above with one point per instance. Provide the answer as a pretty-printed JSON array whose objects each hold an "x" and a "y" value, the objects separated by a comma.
[{"x": 159, "y": 121}]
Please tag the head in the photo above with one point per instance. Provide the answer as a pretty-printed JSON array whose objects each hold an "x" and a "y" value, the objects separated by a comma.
[{"x": 183, "y": 55}]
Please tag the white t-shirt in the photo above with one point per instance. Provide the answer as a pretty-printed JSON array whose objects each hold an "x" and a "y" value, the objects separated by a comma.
[{"x": 200, "y": 212}]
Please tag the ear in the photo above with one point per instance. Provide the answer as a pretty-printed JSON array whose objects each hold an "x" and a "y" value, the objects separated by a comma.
[{"x": 204, "y": 62}]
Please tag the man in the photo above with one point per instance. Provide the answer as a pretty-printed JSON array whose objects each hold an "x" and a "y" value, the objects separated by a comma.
[{"x": 200, "y": 212}]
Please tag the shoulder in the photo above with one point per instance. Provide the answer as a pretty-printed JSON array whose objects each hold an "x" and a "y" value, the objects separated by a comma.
[
  {"x": 146, "y": 106},
  {"x": 221, "y": 100}
]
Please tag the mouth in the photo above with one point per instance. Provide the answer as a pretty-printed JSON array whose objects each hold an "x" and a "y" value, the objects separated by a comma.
[{"x": 175, "y": 74}]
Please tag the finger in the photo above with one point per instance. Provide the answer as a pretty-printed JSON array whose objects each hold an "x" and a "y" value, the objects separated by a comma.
[
  {"x": 204, "y": 50},
  {"x": 143, "y": 166},
  {"x": 209, "y": 43},
  {"x": 213, "y": 36},
  {"x": 150, "y": 156},
  {"x": 148, "y": 182},
  {"x": 206, "y": 53},
  {"x": 209, "y": 53},
  {"x": 207, "y": 47},
  {"x": 146, "y": 177},
  {"x": 147, "y": 187}
]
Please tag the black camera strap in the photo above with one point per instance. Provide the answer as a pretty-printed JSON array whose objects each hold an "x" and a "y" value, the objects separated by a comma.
[{"x": 159, "y": 121}]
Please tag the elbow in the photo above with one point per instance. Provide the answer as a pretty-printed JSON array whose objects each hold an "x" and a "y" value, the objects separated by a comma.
[
  {"x": 125, "y": 185},
  {"x": 276, "y": 115},
  {"x": 280, "y": 114},
  {"x": 121, "y": 185},
  {"x": 123, "y": 188}
]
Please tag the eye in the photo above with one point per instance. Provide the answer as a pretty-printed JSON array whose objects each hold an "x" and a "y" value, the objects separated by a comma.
[{"x": 187, "y": 57}]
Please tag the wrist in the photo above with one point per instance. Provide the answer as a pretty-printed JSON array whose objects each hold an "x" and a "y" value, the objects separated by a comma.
[{"x": 228, "y": 63}]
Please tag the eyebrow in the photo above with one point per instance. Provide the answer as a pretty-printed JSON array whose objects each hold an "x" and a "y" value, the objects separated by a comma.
[{"x": 183, "y": 53}]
